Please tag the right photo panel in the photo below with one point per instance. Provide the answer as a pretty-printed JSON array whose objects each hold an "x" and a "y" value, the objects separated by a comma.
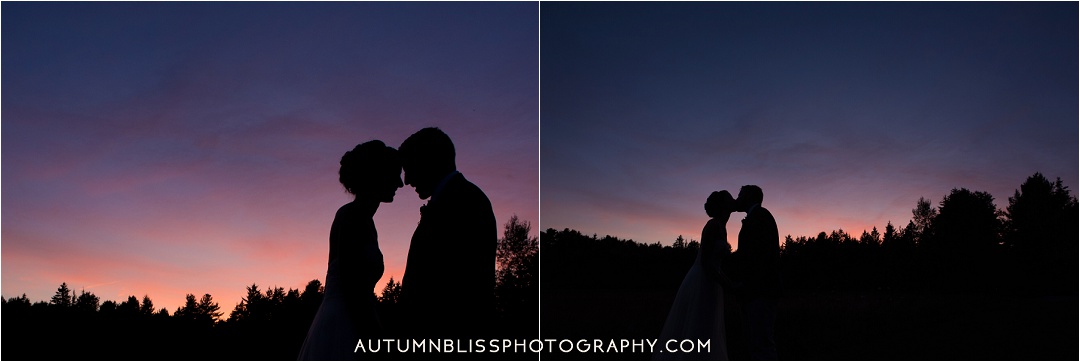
[{"x": 809, "y": 181}]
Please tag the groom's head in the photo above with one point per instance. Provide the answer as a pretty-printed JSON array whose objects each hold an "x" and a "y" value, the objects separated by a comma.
[
  {"x": 426, "y": 157},
  {"x": 749, "y": 195}
]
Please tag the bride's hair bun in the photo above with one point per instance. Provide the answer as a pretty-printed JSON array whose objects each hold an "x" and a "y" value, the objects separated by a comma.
[
  {"x": 360, "y": 164},
  {"x": 719, "y": 202}
]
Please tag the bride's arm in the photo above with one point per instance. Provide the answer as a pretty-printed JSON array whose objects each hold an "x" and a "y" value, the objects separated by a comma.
[{"x": 714, "y": 233}]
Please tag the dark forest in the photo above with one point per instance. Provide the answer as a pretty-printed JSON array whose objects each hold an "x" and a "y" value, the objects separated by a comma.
[
  {"x": 961, "y": 280},
  {"x": 267, "y": 324}
]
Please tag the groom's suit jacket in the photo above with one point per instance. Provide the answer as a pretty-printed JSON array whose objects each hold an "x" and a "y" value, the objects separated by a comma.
[
  {"x": 758, "y": 255},
  {"x": 448, "y": 286}
]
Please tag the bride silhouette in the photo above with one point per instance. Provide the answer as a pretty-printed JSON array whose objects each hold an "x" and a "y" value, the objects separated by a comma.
[
  {"x": 698, "y": 310},
  {"x": 372, "y": 173}
]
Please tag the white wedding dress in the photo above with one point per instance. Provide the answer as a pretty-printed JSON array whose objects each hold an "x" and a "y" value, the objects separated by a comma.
[
  {"x": 347, "y": 312},
  {"x": 697, "y": 314}
]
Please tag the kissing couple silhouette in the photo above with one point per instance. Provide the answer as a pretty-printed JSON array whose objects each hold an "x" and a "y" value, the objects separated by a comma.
[
  {"x": 729, "y": 298},
  {"x": 447, "y": 289}
]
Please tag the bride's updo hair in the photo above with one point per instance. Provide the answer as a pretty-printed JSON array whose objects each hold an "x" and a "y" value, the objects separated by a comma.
[
  {"x": 719, "y": 202},
  {"x": 365, "y": 163}
]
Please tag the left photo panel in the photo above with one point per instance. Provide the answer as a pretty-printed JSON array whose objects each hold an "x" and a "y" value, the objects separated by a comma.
[{"x": 270, "y": 181}]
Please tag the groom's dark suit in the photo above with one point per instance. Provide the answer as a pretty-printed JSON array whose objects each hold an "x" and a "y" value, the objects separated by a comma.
[
  {"x": 759, "y": 253},
  {"x": 759, "y": 263},
  {"x": 448, "y": 286}
]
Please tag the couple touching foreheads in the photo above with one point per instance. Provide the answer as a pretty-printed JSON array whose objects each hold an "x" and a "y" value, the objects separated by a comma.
[
  {"x": 447, "y": 289},
  {"x": 740, "y": 324}
]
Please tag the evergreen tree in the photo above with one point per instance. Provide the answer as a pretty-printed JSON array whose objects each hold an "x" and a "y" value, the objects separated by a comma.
[
  {"x": 107, "y": 307},
  {"x": 922, "y": 217},
  {"x": 87, "y": 302},
  {"x": 208, "y": 309},
  {"x": 1041, "y": 217},
  {"x": 679, "y": 243},
  {"x": 889, "y": 239},
  {"x": 130, "y": 306},
  {"x": 967, "y": 222},
  {"x": 391, "y": 293},
  {"x": 19, "y": 301},
  {"x": 63, "y": 297},
  {"x": 147, "y": 307}
]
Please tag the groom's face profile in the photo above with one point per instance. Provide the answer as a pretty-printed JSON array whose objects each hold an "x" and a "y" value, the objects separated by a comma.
[
  {"x": 420, "y": 179},
  {"x": 426, "y": 157},
  {"x": 741, "y": 204},
  {"x": 749, "y": 195}
]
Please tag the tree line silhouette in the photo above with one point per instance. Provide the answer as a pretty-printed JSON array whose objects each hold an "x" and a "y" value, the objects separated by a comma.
[
  {"x": 857, "y": 297},
  {"x": 268, "y": 324},
  {"x": 964, "y": 244}
]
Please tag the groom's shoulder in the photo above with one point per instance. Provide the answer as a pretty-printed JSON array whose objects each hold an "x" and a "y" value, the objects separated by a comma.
[
  {"x": 467, "y": 201},
  {"x": 467, "y": 189},
  {"x": 473, "y": 201},
  {"x": 761, "y": 213}
]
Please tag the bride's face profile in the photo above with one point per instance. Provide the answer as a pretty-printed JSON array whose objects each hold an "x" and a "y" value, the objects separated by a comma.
[
  {"x": 384, "y": 176},
  {"x": 372, "y": 172}
]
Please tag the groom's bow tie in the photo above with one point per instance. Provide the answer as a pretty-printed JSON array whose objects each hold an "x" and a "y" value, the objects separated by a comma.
[{"x": 422, "y": 208}]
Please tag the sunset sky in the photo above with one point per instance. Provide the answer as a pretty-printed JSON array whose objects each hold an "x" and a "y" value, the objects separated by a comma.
[
  {"x": 163, "y": 149},
  {"x": 844, "y": 113}
]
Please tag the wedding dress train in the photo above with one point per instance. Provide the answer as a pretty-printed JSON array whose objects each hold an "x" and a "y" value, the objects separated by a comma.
[{"x": 697, "y": 314}]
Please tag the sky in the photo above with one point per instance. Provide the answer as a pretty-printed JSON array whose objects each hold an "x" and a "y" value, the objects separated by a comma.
[
  {"x": 163, "y": 149},
  {"x": 845, "y": 114}
]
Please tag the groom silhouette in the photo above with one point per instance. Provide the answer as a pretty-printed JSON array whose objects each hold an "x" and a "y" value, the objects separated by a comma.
[
  {"x": 758, "y": 257},
  {"x": 448, "y": 287}
]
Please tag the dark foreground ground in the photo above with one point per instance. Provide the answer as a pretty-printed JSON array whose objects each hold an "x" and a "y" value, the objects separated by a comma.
[{"x": 844, "y": 325}]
